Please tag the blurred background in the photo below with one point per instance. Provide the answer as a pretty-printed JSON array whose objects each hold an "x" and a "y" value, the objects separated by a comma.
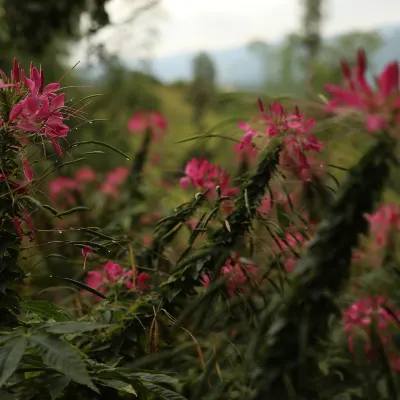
[{"x": 200, "y": 64}]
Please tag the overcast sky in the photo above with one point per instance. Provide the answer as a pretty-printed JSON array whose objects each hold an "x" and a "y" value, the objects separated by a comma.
[{"x": 188, "y": 25}]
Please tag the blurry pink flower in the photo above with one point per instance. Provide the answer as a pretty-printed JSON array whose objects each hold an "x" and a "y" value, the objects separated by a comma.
[
  {"x": 85, "y": 174},
  {"x": 379, "y": 106},
  {"x": 384, "y": 222},
  {"x": 204, "y": 175},
  {"x": 359, "y": 316},
  {"x": 205, "y": 280},
  {"x": 142, "y": 280},
  {"x": 237, "y": 278},
  {"x": 86, "y": 250},
  {"x": 94, "y": 279},
  {"x": 113, "y": 271},
  {"x": 28, "y": 170},
  {"x": 63, "y": 188},
  {"x": 147, "y": 240},
  {"x": 290, "y": 264},
  {"x": 141, "y": 121},
  {"x": 113, "y": 180}
]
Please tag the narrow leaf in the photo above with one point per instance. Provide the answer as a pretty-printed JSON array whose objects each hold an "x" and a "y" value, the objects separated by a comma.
[
  {"x": 57, "y": 384},
  {"x": 73, "y": 327}
]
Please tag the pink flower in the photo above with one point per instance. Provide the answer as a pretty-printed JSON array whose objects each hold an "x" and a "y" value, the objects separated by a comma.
[
  {"x": 141, "y": 121},
  {"x": 379, "y": 106},
  {"x": 64, "y": 189},
  {"x": 94, "y": 279},
  {"x": 383, "y": 223},
  {"x": 237, "y": 278},
  {"x": 358, "y": 318},
  {"x": 113, "y": 271},
  {"x": 138, "y": 282},
  {"x": 85, "y": 174},
  {"x": 113, "y": 180},
  {"x": 86, "y": 250},
  {"x": 142, "y": 280},
  {"x": 204, "y": 175},
  {"x": 295, "y": 129},
  {"x": 205, "y": 281},
  {"x": 28, "y": 170},
  {"x": 290, "y": 264}
]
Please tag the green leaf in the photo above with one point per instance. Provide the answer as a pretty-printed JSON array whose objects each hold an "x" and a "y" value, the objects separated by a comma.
[
  {"x": 118, "y": 385},
  {"x": 10, "y": 356},
  {"x": 71, "y": 211},
  {"x": 59, "y": 355},
  {"x": 164, "y": 393},
  {"x": 79, "y": 284},
  {"x": 155, "y": 378},
  {"x": 45, "y": 309},
  {"x": 56, "y": 385},
  {"x": 101, "y": 144},
  {"x": 6, "y": 396},
  {"x": 73, "y": 327}
]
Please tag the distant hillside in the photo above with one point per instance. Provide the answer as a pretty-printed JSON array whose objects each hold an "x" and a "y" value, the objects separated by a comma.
[{"x": 240, "y": 68}]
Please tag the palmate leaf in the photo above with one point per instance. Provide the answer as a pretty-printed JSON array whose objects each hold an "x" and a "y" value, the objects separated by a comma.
[
  {"x": 59, "y": 355},
  {"x": 118, "y": 385},
  {"x": 10, "y": 356}
]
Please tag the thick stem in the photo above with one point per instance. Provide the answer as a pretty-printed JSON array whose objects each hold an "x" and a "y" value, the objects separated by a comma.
[{"x": 302, "y": 321}]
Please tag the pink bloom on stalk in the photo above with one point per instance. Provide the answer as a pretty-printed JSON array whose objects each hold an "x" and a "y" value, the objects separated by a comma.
[
  {"x": 358, "y": 318},
  {"x": 292, "y": 240},
  {"x": 142, "y": 281},
  {"x": 86, "y": 250},
  {"x": 138, "y": 282},
  {"x": 379, "y": 106},
  {"x": 295, "y": 129},
  {"x": 237, "y": 278},
  {"x": 28, "y": 170},
  {"x": 385, "y": 221},
  {"x": 147, "y": 240},
  {"x": 141, "y": 121},
  {"x": 248, "y": 135},
  {"x": 40, "y": 111},
  {"x": 85, "y": 174},
  {"x": 94, "y": 279},
  {"x": 113, "y": 271},
  {"x": 204, "y": 175},
  {"x": 113, "y": 180},
  {"x": 63, "y": 188},
  {"x": 28, "y": 220}
]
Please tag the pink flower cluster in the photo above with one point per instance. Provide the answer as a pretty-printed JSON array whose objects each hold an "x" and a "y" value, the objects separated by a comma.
[
  {"x": 113, "y": 181},
  {"x": 141, "y": 121},
  {"x": 380, "y": 107},
  {"x": 113, "y": 273},
  {"x": 293, "y": 241},
  {"x": 65, "y": 189},
  {"x": 204, "y": 175},
  {"x": 358, "y": 318},
  {"x": 238, "y": 280},
  {"x": 297, "y": 139},
  {"x": 383, "y": 223},
  {"x": 41, "y": 108}
]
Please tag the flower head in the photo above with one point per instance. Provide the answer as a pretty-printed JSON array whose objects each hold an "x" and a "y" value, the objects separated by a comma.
[
  {"x": 380, "y": 106},
  {"x": 141, "y": 121}
]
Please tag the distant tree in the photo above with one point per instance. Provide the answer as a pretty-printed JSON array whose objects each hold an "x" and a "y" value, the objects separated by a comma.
[
  {"x": 312, "y": 20},
  {"x": 202, "y": 88},
  {"x": 31, "y": 26}
]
